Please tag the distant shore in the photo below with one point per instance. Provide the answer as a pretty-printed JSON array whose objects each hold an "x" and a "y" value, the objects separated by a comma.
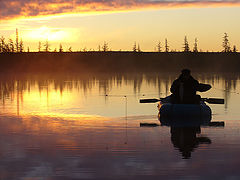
[{"x": 114, "y": 61}]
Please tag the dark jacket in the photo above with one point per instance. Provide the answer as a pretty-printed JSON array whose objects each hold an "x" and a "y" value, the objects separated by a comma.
[{"x": 184, "y": 90}]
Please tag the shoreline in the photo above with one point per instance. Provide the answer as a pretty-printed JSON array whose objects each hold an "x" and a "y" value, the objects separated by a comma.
[{"x": 119, "y": 61}]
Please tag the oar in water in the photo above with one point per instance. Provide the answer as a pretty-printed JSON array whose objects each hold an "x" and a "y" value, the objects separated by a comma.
[{"x": 208, "y": 100}]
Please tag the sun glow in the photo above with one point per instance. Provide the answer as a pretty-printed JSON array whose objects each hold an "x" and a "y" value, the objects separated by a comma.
[{"x": 47, "y": 33}]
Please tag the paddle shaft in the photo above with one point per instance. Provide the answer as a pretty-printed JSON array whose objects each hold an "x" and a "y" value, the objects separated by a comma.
[
  {"x": 208, "y": 100},
  {"x": 213, "y": 100}
]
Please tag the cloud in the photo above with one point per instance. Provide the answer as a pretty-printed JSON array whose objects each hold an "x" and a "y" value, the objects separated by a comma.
[{"x": 10, "y": 9}]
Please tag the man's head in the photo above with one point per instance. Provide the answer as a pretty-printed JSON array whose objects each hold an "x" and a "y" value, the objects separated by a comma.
[{"x": 186, "y": 73}]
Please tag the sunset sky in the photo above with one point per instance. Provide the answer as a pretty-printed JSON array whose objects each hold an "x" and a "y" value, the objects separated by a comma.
[{"x": 88, "y": 23}]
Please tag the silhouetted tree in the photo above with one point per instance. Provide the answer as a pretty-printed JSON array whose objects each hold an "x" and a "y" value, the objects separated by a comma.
[
  {"x": 39, "y": 46},
  {"x": 138, "y": 48},
  {"x": 70, "y": 49},
  {"x": 185, "y": 45},
  {"x": 226, "y": 44},
  {"x": 134, "y": 47},
  {"x": 234, "y": 48},
  {"x": 17, "y": 43},
  {"x": 60, "y": 48},
  {"x": 21, "y": 48},
  {"x": 46, "y": 45},
  {"x": 159, "y": 47},
  {"x": 195, "y": 47},
  {"x": 28, "y": 49},
  {"x": 105, "y": 47},
  {"x": 99, "y": 48},
  {"x": 6, "y": 48},
  {"x": 2, "y": 44},
  {"x": 166, "y": 45},
  {"x": 11, "y": 45}
]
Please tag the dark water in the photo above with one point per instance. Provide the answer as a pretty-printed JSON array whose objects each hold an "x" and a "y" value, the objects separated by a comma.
[{"x": 58, "y": 126}]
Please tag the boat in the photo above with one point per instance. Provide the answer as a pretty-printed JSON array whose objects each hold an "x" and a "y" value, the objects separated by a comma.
[{"x": 184, "y": 114}]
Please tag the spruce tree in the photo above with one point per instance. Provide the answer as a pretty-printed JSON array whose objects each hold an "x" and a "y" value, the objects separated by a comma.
[
  {"x": 159, "y": 47},
  {"x": 195, "y": 47},
  {"x": 185, "y": 45},
  {"x": 226, "y": 44},
  {"x": 135, "y": 47},
  {"x": 166, "y": 45}
]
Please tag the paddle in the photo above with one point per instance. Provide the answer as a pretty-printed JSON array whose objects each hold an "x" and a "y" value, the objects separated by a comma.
[
  {"x": 213, "y": 100},
  {"x": 214, "y": 124},
  {"x": 208, "y": 100},
  {"x": 149, "y": 100}
]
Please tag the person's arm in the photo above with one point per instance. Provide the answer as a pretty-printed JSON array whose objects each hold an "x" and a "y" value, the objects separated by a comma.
[{"x": 203, "y": 87}]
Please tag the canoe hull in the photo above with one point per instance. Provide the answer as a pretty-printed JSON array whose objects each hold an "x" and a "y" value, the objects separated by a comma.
[{"x": 184, "y": 114}]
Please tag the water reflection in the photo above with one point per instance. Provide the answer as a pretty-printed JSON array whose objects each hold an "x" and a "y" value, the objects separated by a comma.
[
  {"x": 185, "y": 139},
  {"x": 18, "y": 89},
  {"x": 64, "y": 127},
  {"x": 185, "y": 123},
  {"x": 19, "y": 82}
]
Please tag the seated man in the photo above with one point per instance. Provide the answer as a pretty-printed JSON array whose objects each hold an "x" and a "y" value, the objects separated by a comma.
[{"x": 185, "y": 87}]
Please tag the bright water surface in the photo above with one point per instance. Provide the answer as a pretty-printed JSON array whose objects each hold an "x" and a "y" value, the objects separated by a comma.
[{"x": 65, "y": 127}]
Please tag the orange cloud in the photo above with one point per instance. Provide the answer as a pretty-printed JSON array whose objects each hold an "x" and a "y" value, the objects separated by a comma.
[{"x": 10, "y": 9}]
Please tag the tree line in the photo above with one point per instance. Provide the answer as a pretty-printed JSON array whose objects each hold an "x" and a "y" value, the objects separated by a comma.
[
  {"x": 186, "y": 47},
  {"x": 9, "y": 46}
]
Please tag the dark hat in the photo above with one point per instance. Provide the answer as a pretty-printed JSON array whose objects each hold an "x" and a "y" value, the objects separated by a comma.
[{"x": 186, "y": 71}]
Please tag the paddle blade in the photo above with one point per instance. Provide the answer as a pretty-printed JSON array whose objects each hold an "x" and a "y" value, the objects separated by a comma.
[
  {"x": 149, "y": 125},
  {"x": 203, "y": 87},
  {"x": 214, "y": 101},
  {"x": 149, "y": 100},
  {"x": 217, "y": 124}
]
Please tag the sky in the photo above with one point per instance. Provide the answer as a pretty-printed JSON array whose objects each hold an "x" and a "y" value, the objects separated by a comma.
[{"x": 86, "y": 24}]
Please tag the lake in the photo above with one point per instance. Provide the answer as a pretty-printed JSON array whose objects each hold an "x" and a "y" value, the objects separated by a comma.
[{"x": 87, "y": 126}]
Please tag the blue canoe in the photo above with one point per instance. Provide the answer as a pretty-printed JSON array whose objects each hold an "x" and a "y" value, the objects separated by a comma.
[{"x": 184, "y": 114}]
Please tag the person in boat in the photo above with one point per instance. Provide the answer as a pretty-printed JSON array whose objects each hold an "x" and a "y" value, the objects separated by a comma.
[{"x": 184, "y": 89}]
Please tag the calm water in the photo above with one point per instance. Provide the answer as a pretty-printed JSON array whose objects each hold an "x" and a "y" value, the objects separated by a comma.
[{"x": 82, "y": 126}]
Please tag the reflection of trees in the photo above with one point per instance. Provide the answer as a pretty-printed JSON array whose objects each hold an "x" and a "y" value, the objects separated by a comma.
[
  {"x": 229, "y": 87},
  {"x": 228, "y": 80},
  {"x": 6, "y": 90},
  {"x": 12, "y": 86}
]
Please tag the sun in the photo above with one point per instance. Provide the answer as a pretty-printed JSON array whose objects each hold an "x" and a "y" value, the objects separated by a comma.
[{"x": 47, "y": 33}]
